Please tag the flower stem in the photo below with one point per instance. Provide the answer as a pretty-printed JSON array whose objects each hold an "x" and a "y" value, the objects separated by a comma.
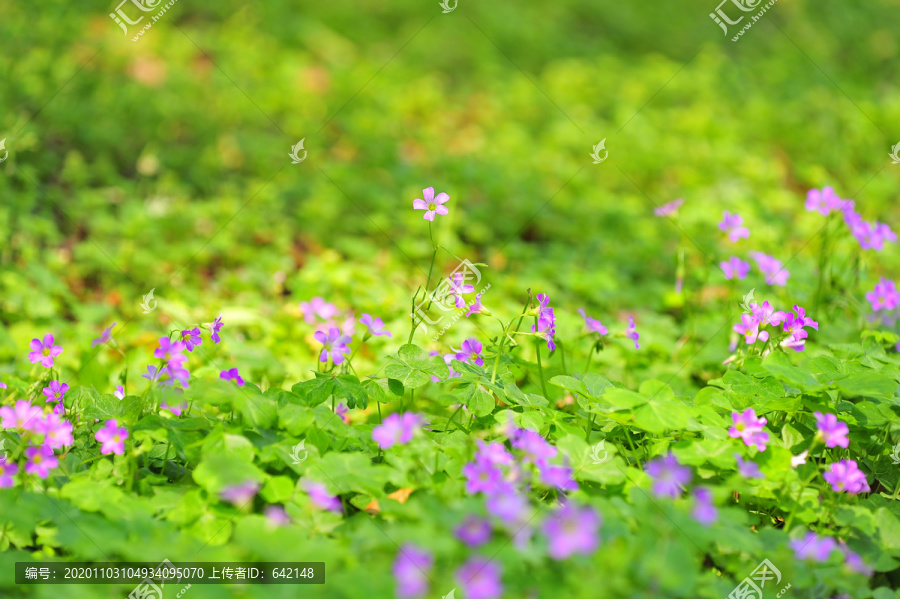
[{"x": 537, "y": 347}]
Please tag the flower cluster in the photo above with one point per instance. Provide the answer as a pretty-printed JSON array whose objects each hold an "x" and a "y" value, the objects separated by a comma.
[
  {"x": 42, "y": 433},
  {"x": 813, "y": 547},
  {"x": 670, "y": 478},
  {"x": 546, "y": 321},
  {"x": 750, "y": 429},
  {"x": 753, "y": 325},
  {"x": 884, "y": 296},
  {"x": 772, "y": 268},
  {"x": 733, "y": 226},
  {"x": 870, "y": 235},
  {"x": 397, "y": 429}
]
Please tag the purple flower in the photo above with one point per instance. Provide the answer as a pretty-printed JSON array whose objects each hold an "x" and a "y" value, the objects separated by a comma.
[
  {"x": 232, "y": 375},
  {"x": 431, "y": 205},
  {"x": 670, "y": 208},
  {"x": 480, "y": 579},
  {"x": 341, "y": 410},
  {"x": 536, "y": 449},
  {"x": 493, "y": 453},
  {"x": 813, "y": 547},
  {"x": 104, "y": 337},
  {"x": 669, "y": 477},
  {"x": 748, "y": 468},
  {"x": 153, "y": 374},
  {"x": 832, "y": 430},
  {"x": 572, "y": 530},
  {"x": 40, "y": 461},
  {"x": 855, "y": 562},
  {"x": 507, "y": 504},
  {"x": 55, "y": 391},
  {"x": 191, "y": 338},
  {"x": 240, "y": 494},
  {"x": 704, "y": 511},
  {"x": 771, "y": 268},
  {"x": 733, "y": 225},
  {"x": 214, "y": 329},
  {"x": 375, "y": 326},
  {"x": 482, "y": 477},
  {"x": 7, "y": 471},
  {"x": 120, "y": 392},
  {"x": 334, "y": 344},
  {"x": 177, "y": 410},
  {"x": 458, "y": 288},
  {"x": 846, "y": 476},
  {"x": 593, "y": 325},
  {"x": 559, "y": 477},
  {"x": 2, "y": 385},
  {"x": 317, "y": 306},
  {"x": 749, "y": 428},
  {"x": 411, "y": 567},
  {"x": 734, "y": 267},
  {"x": 170, "y": 351},
  {"x": 44, "y": 352},
  {"x": 112, "y": 437},
  {"x": 396, "y": 429},
  {"x": 546, "y": 318},
  {"x": 749, "y": 328},
  {"x": 470, "y": 350},
  {"x": 276, "y": 516},
  {"x": 57, "y": 433},
  {"x": 631, "y": 333},
  {"x": 793, "y": 324},
  {"x": 24, "y": 416},
  {"x": 319, "y": 495},
  {"x": 177, "y": 373},
  {"x": 474, "y": 531},
  {"x": 767, "y": 315},
  {"x": 822, "y": 201},
  {"x": 884, "y": 296},
  {"x": 476, "y": 307}
]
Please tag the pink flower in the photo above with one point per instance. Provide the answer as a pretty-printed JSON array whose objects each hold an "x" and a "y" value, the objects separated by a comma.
[
  {"x": 317, "y": 306},
  {"x": 55, "y": 391},
  {"x": 24, "y": 416},
  {"x": 276, "y": 515},
  {"x": 749, "y": 428},
  {"x": 57, "y": 432},
  {"x": 884, "y": 296},
  {"x": 832, "y": 430},
  {"x": 593, "y": 325},
  {"x": 7, "y": 471},
  {"x": 822, "y": 201},
  {"x": 232, "y": 375},
  {"x": 631, "y": 333},
  {"x": 320, "y": 496},
  {"x": 40, "y": 461},
  {"x": 104, "y": 337},
  {"x": 335, "y": 345},
  {"x": 670, "y": 208},
  {"x": 431, "y": 205},
  {"x": 735, "y": 268},
  {"x": 44, "y": 352},
  {"x": 772, "y": 268},
  {"x": 477, "y": 307},
  {"x": 733, "y": 225},
  {"x": 846, "y": 476},
  {"x": 120, "y": 392},
  {"x": 240, "y": 494},
  {"x": 374, "y": 325},
  {"x": 749, "y": 328},
  {"x": 112, "y": 437},
  {"x": 396, "y": 430}
]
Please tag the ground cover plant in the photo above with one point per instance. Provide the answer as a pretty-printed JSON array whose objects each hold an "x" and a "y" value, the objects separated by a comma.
[{"x": 323, "y": 293}]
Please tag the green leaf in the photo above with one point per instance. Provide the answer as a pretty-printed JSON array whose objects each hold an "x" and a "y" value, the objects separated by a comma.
[
  {"x": 347, "y": 386},
  {"x": 476, "y": 398},
  {"x": 623, "y": 399},
  {"x": 411, "y": 378},
  {"x": 295, "y": 419},
  {"x": 383, "y": 390},
  {"x": 868, "y": 384},
  {"x": 314, "y": 391},
  {"x": 780, "y": 366}
]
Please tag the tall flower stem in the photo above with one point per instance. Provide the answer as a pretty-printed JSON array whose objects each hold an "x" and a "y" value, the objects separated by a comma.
[{"x": 537, "y": 347}]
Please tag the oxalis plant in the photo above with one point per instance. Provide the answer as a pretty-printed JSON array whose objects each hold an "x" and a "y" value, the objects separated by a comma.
[{"x": 513, "y": 466}]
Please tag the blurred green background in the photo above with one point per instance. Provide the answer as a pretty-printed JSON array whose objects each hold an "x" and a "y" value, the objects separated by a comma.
[{"x": 163, "y": 164}]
